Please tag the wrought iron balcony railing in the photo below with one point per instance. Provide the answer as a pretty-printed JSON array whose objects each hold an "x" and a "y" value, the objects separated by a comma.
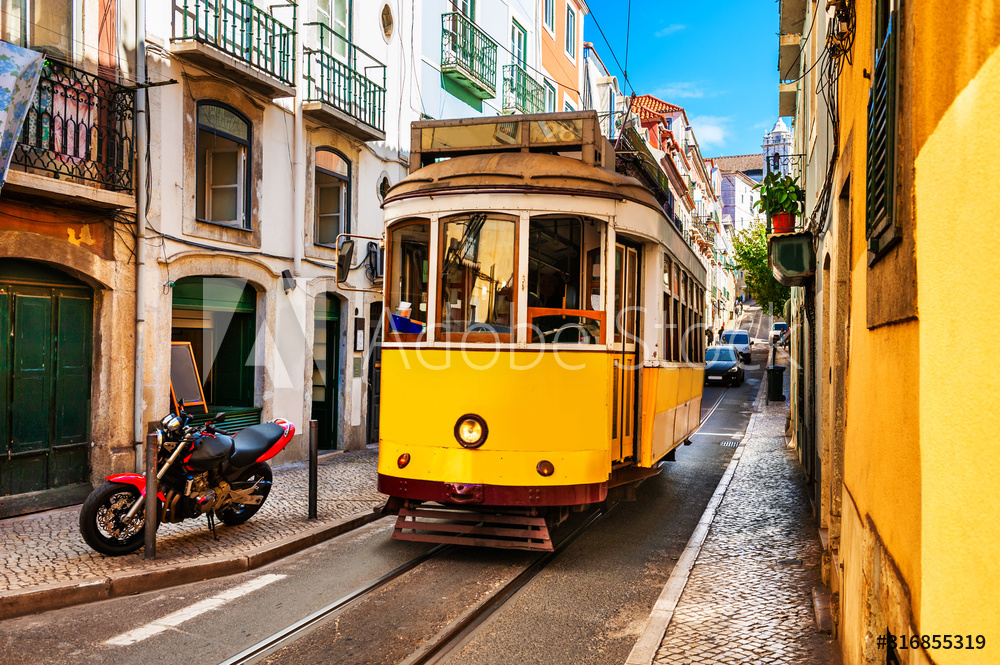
[
  {"x": 239, "y": 29},
  {"x": 521, "y": 93},
  {"x": 788, "y": 164},
  {"x": 468, "y": 55},
  {"x": 79, "y": 126},
  {"x": 337, "y": 75}
]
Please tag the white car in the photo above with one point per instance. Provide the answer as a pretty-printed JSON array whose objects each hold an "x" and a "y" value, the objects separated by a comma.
[{"x": 740, "y": 339}]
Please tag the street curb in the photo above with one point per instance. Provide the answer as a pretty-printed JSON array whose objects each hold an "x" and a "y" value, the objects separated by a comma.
[
  {"x": 659, "y": 619},
  {"x": 58, "y": 596}
]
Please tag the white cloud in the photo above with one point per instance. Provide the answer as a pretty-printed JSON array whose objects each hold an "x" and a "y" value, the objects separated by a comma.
[
  {"x": 669, "y": 30},
  {"x": 711, "y": 130},
  {"x": 680, "y": 90}
]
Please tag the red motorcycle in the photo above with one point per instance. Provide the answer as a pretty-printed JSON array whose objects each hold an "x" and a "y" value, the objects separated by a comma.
[{"x": 201, "y": 471}]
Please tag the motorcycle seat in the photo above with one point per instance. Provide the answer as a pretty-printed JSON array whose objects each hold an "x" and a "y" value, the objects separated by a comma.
[{"x": 254, "y": 441}]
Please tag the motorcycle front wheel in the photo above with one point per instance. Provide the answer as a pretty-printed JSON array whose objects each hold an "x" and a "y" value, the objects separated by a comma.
[
  {"x": 101, "y": 520},
  {"x": 258, "y": 474}
]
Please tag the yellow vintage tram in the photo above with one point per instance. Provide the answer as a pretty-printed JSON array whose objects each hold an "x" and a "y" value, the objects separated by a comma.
[{"x": 543, "y": 331}]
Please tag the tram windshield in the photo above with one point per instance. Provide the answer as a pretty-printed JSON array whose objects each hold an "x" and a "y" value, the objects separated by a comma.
[
  {"x": 409, "y": 251},
  {"x": 477, "y": 277},
  {"x": 564, "y": 295}
]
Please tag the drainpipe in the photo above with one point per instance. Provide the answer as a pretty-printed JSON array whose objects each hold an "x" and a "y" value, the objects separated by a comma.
[
  {"x": 141, "y": 120},
  {"x": 298, "y": 148}
]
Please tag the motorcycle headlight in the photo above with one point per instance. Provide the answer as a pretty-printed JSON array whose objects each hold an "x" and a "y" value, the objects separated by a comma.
[{"x": 171, "y": 422}]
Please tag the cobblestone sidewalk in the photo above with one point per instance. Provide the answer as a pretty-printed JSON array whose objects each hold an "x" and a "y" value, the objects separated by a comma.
[
  {"x": 749, "y": 595},
  {"x": 46, "y": 548}
]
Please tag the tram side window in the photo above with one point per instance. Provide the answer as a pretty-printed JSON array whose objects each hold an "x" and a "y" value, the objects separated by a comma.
[
  {"x": 564, "y": 294},
  {"x": 477, "y": 278},
  {"x": 409, "y": 254}
]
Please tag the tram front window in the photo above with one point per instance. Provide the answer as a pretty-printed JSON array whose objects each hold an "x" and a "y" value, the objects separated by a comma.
[
  {"x": 409, "y": 251},
  {"x": 477, "y": 278},
  {"x": 564, "y": 296}
]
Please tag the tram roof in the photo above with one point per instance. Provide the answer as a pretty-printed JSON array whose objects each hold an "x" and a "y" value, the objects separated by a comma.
[{"x": 518, "y": 172}]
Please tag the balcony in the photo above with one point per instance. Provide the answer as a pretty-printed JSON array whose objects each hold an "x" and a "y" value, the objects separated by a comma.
[
  {"x": 79, "y": 128},
  {"x": 521, "y": 93},
  {"x": 468, "y": 55},
  {"x": 339, "y": 92},
  {"x": 239, "y": 41}
]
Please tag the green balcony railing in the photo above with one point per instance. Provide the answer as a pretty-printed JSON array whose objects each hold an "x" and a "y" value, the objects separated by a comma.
[
  {"x": 337, "y": 74},
  {"x": 240, "y": 29},
  {"x": 468, "y": 55},
  {"x": 521, "y": 93}
]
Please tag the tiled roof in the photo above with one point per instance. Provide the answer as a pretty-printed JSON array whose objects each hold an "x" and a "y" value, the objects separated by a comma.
[
  {"x": 655, "y": 104},
  {"x": 740, "y": 162},
  {"x": 646, "y": 114}
]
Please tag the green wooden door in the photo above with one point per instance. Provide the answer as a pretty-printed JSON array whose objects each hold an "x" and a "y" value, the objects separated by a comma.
[{"x": 45, "y": 368}]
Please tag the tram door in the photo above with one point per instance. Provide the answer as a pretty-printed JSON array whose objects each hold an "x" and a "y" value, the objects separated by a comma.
[{"x": 625, "y": 375}]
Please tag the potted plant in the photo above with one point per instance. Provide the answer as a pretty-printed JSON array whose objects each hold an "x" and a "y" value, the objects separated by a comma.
[{"x": 780, "y": 199}]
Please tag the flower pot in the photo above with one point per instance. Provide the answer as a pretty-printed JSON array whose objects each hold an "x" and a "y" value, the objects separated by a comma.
[{"x": 783, "y": 222}]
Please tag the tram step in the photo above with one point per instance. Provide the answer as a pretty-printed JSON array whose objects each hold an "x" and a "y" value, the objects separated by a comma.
[{"x": 441, "y": 524}]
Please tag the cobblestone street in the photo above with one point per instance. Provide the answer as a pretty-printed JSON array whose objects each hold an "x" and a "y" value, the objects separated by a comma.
[
  {"x": 749, "y": 595},
  {"x": 47, "y": 548}
]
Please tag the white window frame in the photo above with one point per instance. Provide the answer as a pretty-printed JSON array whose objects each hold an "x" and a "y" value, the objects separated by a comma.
[
  {"x": 568, "y": 106},
  {"x": 341, "y": 209},
  {"x": 549, "y": 16},
  {"x": 550, "y": 96},
  {"x": 570, "y": 13},
  {"x": 241, "y": 160},
  {"x": 517, "y": 30}
]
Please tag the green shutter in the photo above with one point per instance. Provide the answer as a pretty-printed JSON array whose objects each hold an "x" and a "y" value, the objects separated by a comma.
[
  {"x": 880, "y": 166},
  {"x": 72, "y": 370},
  {"x": 32, "y": 373},
  {"x": 215, "y": 294},
  {"x": 4, "y": 372},
  {"x": 233, "y": 370}
]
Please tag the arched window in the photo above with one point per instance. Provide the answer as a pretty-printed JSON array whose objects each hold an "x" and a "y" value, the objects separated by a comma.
[
  {"x": 331, "y": 197},
  {"x": 223, "y": 165}
]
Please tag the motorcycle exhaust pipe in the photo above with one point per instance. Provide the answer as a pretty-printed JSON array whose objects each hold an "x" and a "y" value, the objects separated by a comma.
[{"x": 159, "y": 444}]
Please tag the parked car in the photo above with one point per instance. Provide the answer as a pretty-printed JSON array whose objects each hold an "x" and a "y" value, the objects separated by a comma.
[
  {"x": 723, "y": 365},
  {"x": 740, "y": 339},
  {"x": 778, "y": 331}
]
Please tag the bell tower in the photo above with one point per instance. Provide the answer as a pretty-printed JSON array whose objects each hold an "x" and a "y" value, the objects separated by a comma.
[{"x": 777, "y": 146}]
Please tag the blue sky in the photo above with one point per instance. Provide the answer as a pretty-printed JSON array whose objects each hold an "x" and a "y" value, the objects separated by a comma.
[{"x": 719, "y": 60}]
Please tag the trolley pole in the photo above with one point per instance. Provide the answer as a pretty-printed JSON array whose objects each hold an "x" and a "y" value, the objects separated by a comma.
[
  {"x": 149, "y": 551},
  {"x": 313, "y": 466}
]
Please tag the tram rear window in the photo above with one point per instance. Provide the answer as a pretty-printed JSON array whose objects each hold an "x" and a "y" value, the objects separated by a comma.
[
  {"x": 477, "y": 278},
  {"x": 409, "y": 252},
  {"x": 564, "y": 295}
]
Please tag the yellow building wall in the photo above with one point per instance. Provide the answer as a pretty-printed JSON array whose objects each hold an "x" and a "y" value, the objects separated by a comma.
[
  {"x": 881, "y": 446},
  {"x": 922, "y": 427},
  {"x": 958, "y": 260}
]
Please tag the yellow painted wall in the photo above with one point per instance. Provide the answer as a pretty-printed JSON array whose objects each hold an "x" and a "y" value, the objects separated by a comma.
[
  {"x": 958, "y": 260},
  {"x": 881, "y": 447}
]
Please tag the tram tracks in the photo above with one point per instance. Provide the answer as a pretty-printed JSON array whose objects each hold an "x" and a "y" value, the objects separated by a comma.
[
  {"x": 438, "y": 648},
  {"x": 300, "y": 628}
]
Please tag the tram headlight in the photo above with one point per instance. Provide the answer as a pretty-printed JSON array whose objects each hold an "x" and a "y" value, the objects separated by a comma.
[{"x": 471, "y": 431}]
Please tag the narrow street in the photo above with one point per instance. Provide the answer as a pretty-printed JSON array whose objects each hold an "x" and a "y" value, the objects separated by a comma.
[{"x": 587, "y": 606}]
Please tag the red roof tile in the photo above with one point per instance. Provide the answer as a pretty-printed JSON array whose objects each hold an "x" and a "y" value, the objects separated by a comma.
[{"x": 740, "y": 162}]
